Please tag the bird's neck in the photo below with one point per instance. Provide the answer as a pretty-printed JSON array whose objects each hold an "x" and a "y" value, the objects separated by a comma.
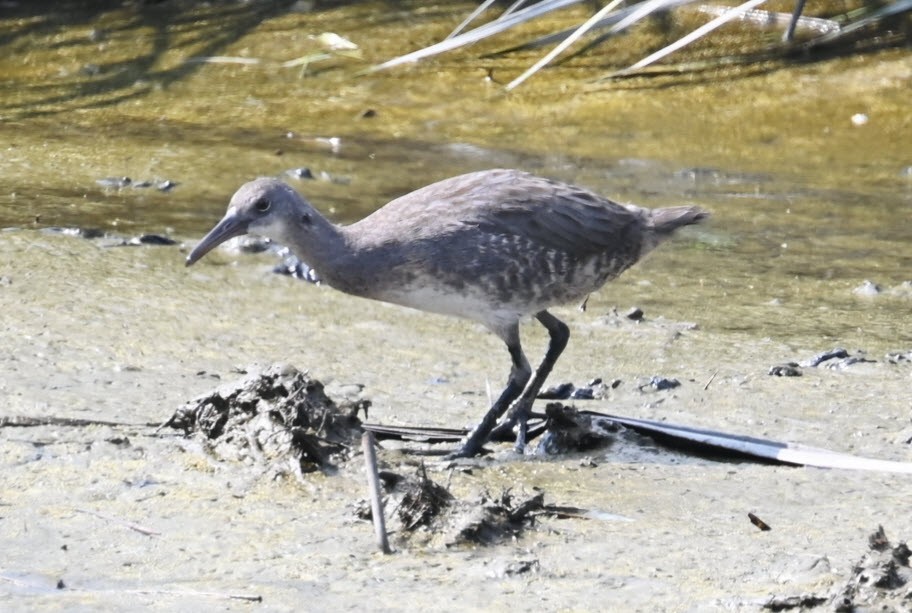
[{"x": 318, "y": 242}]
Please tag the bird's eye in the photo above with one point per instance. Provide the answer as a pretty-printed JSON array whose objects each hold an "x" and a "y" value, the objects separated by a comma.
[
  {"x": 261, "y": 205},
  {"x": 305, "y": 219}
]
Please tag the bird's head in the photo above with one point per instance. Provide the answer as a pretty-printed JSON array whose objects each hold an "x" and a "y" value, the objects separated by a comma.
[{"x": 264, "y": 207}]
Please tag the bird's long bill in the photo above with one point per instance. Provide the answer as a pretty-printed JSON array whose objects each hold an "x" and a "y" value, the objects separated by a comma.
[{"x": 229, "y": 227}]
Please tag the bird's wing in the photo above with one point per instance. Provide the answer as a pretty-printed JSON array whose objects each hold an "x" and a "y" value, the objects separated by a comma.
[
  {"x": 510, "y": 203},
  {"x": 559, "y": 216}
]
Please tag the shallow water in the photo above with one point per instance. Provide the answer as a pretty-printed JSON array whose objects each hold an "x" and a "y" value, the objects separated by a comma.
[{"x": 806, "y": 207}]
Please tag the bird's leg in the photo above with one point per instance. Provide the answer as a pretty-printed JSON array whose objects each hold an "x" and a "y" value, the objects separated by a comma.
[
  {"x": 519, "y": 376},
  {"x": 522, "y": 406}
]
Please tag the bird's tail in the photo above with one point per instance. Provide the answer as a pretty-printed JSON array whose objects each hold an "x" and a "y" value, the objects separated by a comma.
[
  {"x": 666, "y": 221},
  {"x": 663, "y": 223}
]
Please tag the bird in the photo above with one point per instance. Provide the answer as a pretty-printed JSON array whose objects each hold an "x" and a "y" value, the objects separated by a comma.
[{"x": 493, "y": 246}]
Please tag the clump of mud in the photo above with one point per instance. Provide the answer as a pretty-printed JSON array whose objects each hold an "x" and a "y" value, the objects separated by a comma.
[
  {"x": 882, "y": 579},
  {"x": 424, "y": 513},
  {"x": 277, "y": 417},
  {"x": 568, "y": 430}
]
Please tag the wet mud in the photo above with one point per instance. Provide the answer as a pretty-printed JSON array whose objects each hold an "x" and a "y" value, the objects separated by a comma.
[{"x": 100, "y": 500}]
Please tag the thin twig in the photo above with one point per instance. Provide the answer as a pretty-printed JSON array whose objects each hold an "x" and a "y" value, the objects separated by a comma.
[
  {"x": 373, "y": 484},
  {"x": 27, "y": 421},
  {"x": 706, "y": 387},
  {"x": 122, "y": 522}
]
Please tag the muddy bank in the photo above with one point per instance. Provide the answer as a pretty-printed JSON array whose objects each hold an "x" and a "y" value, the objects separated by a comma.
[{"x": 209, "y": 529}]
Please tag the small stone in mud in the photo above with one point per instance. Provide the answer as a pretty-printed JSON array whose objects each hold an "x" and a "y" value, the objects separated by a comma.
[
  {"x": 114, "y": 182},
  {"x": 660, "y": 383},
  {"x": 152, "y": 239},
  {"x": 790, "y": 369},
  {"x": 520, "y": 567},
  {"x": 635, "y": 314},
  {"x": 762, "y": 525},
  {"x": 568, "y": 391},
  {"x": 848, "y": 361},
  {"x": 561, "y": 391},
  {"x": 899, "y": 357},
  {"x": 87, "y": 233},
  {"x": 836, "y": 359},
  {"x": 301, "y": 173},
  {"x": 582, "y": 393},
  {"x": 867, "y": 288},
  {"x": 820, "y": 358}
]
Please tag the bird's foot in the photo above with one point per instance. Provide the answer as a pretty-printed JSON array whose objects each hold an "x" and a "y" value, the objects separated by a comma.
[
  {"x": 522, "y": 431},
  {"x": 464, "y": 451},
  {"x": 471, "y": 445},
  {"x": 518, "y": 420}
]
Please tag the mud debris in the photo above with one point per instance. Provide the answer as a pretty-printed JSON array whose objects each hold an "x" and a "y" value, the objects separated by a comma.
[
  {"x": 119, "y": 183},
  {"x": 880, "y": 581},
  {"x": 489, "y": 519},
  {"x": 899, "y": 357},
  {"x": 761, "y": 525},
  {"x": 659, "y": 383},
  {"x": 837, "y": 358},
  {"x": 277, "y": 417},
  {"x": 789, "y": 369},
  {"x": 788, "y": 603},
  {"x": 106, "y": 239},
  {"x": 595, "y": 389},
  {"x": 568, "y": 430},
  {"x": 424, "y": 513}
]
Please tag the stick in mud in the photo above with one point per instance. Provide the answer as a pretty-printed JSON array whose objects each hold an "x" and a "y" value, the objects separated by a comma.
[
  {"x": 122, "y": 522},
  {"x": 373, "y": 484}
]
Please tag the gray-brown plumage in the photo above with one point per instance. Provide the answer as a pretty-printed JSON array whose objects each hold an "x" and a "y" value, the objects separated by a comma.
[{"x": 491, "y": 246}]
